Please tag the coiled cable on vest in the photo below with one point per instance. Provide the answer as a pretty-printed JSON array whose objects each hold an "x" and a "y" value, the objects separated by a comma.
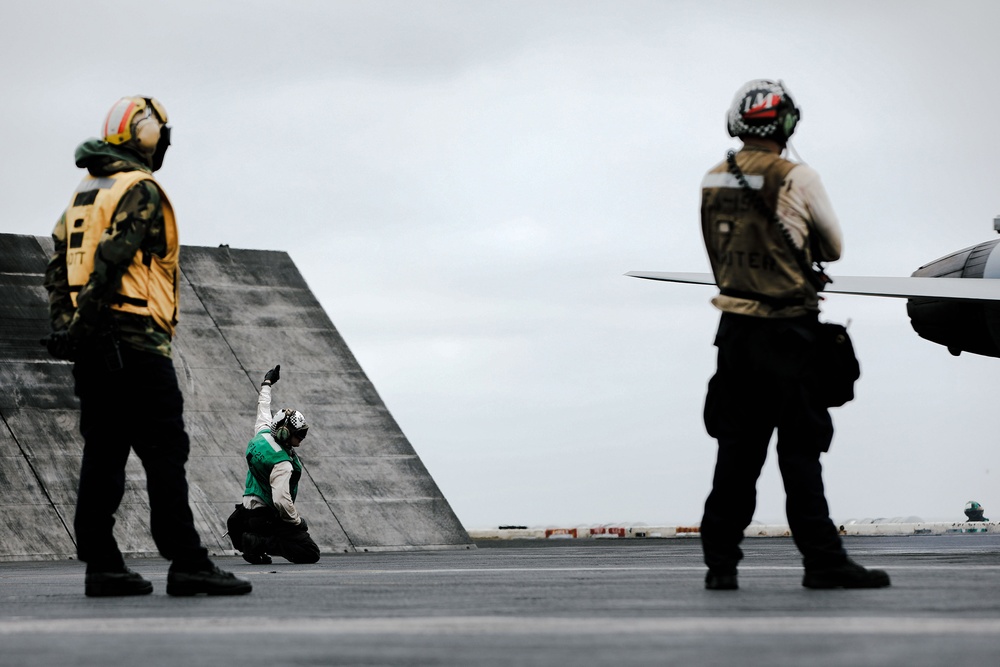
[{"x": 814, "y": 272}]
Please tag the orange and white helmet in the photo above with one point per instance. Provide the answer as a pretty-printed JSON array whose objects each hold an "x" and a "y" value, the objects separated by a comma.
[
  {"x": 140, "y": 122},
  {"x": 118, "y": 125}
]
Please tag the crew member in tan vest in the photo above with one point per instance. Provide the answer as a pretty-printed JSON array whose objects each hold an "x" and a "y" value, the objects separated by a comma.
[
  {"x": 765, "y": 220},
  {"x": 113, "y": 284}
]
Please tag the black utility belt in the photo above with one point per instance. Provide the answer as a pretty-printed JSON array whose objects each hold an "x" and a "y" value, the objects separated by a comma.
[{"x": 121, "y": 299}]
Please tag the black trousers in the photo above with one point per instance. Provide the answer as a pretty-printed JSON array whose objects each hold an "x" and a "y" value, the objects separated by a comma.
[
  {"x": 136, "y": 407},
  {"x": 271, "y": 535},
  {"x": 762, "y": 384}
]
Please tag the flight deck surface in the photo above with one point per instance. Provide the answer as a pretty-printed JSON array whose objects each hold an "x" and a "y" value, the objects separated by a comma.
[{"x": 542, "y": 602}]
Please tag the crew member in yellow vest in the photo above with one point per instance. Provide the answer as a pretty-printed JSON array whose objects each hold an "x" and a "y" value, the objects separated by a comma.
[
  {"x": 113, "y": 283},
  {"x": 765, "y": 221}
]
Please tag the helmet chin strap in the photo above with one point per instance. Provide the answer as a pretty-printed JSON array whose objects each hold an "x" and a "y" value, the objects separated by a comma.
[
  {"x": 795, "y": 153},
  {"x": 156, "y": 159}
]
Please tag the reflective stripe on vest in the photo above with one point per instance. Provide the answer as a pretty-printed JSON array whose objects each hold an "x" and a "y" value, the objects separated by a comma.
[{"x": 150, "y": 285}]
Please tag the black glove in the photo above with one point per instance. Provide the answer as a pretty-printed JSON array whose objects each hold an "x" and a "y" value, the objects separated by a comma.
[
  {"x": 271, "y": 376},
  {"x": 60, "y": 345},
  {"x": 302, "y": 527}
]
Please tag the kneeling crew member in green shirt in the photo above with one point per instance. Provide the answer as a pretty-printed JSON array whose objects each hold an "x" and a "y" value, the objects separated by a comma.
[{"x": 266, "y": 523}]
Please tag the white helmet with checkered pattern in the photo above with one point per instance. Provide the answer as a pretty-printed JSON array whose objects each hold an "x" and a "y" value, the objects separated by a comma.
[
  {"x": 288, "y": 424},
  {"x": 763, "y": 108}
]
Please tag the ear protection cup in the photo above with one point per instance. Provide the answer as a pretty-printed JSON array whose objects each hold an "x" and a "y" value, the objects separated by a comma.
[
  {"x": 287, "y": 424},
  {"x": 788, "y": 121},
  {"x": 282, "y": 432},
  {"x": 147, "y": 135}
]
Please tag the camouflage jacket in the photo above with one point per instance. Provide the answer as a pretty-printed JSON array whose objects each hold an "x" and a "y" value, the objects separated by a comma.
[{"x": 137, "y": 224}]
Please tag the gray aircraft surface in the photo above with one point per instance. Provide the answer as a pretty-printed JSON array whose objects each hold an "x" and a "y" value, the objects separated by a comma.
[{"x": 944, "y": 306}]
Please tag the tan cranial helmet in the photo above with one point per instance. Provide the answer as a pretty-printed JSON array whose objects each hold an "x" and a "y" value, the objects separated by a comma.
[{"x": 139, "y": 122}]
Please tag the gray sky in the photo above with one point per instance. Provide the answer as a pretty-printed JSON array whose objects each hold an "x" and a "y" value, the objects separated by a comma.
[{"x": 463, "y": 185}]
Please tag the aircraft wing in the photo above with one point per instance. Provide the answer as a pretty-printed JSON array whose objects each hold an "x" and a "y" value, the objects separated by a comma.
[
  {"x": 692, "y": 278},
  {"x": 965, "y": 289}
]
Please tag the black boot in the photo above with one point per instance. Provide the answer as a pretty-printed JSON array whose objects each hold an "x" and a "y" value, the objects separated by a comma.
[
  {"x": 121, "y": 582},
  {"x": 847, "y": 575},
  {"x": 209, "y": 581},
  {"x": 717, "y": 581},
  {"x": 253, "y": 549}
]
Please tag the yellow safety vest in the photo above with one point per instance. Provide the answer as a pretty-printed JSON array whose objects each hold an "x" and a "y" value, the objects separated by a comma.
[{"x": 151, "y": 285}]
